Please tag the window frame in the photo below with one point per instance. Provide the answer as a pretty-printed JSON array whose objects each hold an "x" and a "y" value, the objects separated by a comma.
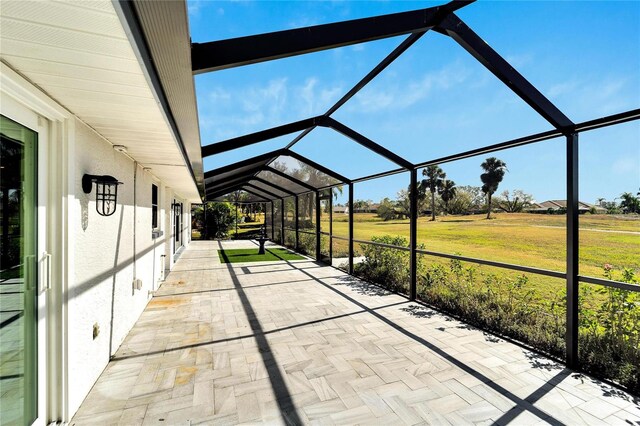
[{"x": 154, "y": 207}]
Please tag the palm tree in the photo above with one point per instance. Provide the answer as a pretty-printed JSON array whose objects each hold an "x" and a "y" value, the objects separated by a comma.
[
  {"x": 494, "y": 171},
  {"x": 337, "y": 190},
  {"x": 434, "y": 178},
  {"x": 629, "y": 203},
  {"x": 447, "y": 192}
]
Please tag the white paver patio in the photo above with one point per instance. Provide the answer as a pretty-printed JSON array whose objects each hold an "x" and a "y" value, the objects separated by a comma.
[{"x": 301, "y": 343}]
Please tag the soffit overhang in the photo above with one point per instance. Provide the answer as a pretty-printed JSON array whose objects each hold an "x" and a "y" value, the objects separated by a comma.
[{"x": 80, "y": 54}]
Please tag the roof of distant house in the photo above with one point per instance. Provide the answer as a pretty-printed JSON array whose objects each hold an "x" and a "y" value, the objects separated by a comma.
[{"x": 562, "y": 204}]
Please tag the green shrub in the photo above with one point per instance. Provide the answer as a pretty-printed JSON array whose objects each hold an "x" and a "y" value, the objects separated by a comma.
[
  {"x": 307, "y": 244},
  {"x": 290, "y": 239},
  {"x": 387, "y": 266},
  {"x": 494, "y": 302},
  {"x": 220, "y": 218},
  {"x": 609, "y": 339}
]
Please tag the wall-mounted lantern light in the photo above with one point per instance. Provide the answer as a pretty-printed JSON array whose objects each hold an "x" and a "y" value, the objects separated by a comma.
[
  {"x": 106, "y": 192},
  {"x": 177, "y": 208}
]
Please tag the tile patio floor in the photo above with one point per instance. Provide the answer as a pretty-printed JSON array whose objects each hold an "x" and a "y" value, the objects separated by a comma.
[{"x": 300, "y": 343}]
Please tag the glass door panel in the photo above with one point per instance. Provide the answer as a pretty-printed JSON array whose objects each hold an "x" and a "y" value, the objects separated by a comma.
[{"x": 18, "y": 246}]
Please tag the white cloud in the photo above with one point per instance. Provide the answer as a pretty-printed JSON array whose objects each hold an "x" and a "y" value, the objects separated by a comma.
[
  {"x": 592, "y": 96},
  {"x": 307, "y": 94},
  {"x": 304, "y": 21},
  {"x": 316, "y": 101},
  {"x": 402, "y": 94},
  {"x": 229, "y": 113},
  {"x": 626, "y": 165},
  {"x": 219, "y": 94},
  {"x": 561, "y": 89},
  {"x": 270, "y": 99},
  {"x": 329, "y": 96},
  {"x": 193, "y": 7},
  {"x": 520, "y": 61}
]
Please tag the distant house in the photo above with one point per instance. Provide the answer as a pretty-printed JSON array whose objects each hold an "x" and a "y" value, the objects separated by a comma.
[
  {"x": 341, "y": 209},
  {"x": 370, "y": 208},
  {"x": 557, "y": 206}
]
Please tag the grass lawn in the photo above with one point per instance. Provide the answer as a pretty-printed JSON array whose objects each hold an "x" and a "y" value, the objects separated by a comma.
[
  {"x": 247, "y": 229},
  {"x": 528, "y": 307},
  {"x": 251, "y": 255},
  {"x": 518, "y": 238}
]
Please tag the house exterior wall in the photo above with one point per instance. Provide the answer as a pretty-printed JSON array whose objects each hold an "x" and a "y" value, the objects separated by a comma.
[
  {"x": 95, "y": 259},
  {"x": 110, "y": 253}
]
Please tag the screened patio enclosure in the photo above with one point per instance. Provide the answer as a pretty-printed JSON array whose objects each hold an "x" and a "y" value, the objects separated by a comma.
[{"x": 297, "y": 192}]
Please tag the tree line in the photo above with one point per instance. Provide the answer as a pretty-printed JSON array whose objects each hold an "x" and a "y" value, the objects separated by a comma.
[
  {"x": 454, "y": 199},
  {"x": 628, "y": 204}
]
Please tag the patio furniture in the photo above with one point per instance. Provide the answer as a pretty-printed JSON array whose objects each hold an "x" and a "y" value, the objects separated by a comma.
[{"x": 262, "y": 238}]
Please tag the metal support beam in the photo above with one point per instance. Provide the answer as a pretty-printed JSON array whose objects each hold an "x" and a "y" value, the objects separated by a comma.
[
  {"x": 213, "y": 185},
  {"x": 317, "y": 166},
  {"x": 227, "y": 189},
  {"x": 351, "y": 228},
  {"x": 265, "y": 158},
  {"x": 537, "y": 137},
  {"x": 413, "y": 234},
  {"x": 260, "y": 196},
  {"x": 273, "y": 221},
  {"x": 291, "y": 178},
  {"x": 223, "y": 54},
  {"x": 282, "y": 221},
  {"x": 479, "y": 49},
  {"x": 318, "y": 246},
  {"x": 263, "y": 135},
  {"x": 609, "y": 120},
  {"x": 572, "y": 252},
  {"x": 213, "y": 180},
  {"x": 257, "y": 188},
  {"x": 237, "y": 187},
  {"x": 331, "y": 228},
  {"x": 367, "y": 143},
  {"x": 297, "y": 222},
  {"x": 206, "y": 223},
  {"x": 408, "y": 42},
  {"x": 272, "y": 185}
]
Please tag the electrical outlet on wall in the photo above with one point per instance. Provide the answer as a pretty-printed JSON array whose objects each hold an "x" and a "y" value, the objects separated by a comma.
[{"x": 137, "y": 284}]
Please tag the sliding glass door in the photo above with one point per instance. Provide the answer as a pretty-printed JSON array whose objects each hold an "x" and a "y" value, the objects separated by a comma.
[{"x": 18, "y": 273}]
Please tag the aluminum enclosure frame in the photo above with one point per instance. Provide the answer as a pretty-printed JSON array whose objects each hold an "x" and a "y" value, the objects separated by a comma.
[{"x": 253, "y": 49}]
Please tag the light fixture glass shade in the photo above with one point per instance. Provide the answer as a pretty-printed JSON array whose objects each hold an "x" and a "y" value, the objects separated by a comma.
[{"x": 106, "y": 192}]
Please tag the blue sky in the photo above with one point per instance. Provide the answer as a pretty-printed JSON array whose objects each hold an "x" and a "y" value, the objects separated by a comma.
[{"x": 436, "y": 100}]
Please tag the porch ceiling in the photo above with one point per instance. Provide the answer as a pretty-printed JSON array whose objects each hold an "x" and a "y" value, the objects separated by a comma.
[{"x": 82, "y": 55}]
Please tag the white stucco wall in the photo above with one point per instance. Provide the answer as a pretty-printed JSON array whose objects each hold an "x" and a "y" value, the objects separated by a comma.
[
  {"x": 109, "y": 253},
  {"x": 94, "y": 259}
]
